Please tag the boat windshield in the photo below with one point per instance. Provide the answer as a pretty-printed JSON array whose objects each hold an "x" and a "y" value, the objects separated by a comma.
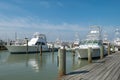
[{"x": 93, "y": 42}]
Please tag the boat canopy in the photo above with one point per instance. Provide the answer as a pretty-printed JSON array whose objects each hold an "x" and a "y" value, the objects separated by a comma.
[{"x": 38, "y": 39}]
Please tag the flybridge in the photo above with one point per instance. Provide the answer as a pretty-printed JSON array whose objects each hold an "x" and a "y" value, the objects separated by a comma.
[
  {"x": 37, "y": 39},
  {"x": 94, "y": 32}
]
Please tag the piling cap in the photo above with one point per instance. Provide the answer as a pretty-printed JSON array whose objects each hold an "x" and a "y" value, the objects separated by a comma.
[{"x": 62, "y": 47}]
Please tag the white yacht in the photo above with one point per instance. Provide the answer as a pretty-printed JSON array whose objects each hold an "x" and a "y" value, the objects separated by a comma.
[
  {"x": 105, "y": 40},
  {"x": 32, "y": 46},
  {"x": 116, "y": 41},
  {"x": 76, "y": 43},
  {"x": 58, "y": 43},
  {"x": 93, "y": 40}
]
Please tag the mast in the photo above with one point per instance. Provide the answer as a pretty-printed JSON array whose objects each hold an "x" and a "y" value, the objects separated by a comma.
[{"x": 15, "y": 36}]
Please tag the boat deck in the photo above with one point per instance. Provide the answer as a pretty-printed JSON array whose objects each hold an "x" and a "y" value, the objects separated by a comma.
[{"x": 105, "y": 69}]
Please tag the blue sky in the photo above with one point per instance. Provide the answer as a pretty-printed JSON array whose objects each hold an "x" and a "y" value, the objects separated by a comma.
[{"x": 57, "y": 18}]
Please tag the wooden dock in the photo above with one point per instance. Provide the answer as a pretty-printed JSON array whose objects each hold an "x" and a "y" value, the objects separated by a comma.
[{"x": 107, "y": 68}]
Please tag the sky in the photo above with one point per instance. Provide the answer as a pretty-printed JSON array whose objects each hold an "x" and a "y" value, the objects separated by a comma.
[{"x": 57, "y": 18}]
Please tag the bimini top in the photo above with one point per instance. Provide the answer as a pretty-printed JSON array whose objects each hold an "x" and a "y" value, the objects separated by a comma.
[
  {"x": 94, "y": 33},
  {"x": 38, "y": 39}
]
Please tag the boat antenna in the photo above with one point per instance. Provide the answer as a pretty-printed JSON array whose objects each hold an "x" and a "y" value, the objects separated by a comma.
[{"x": 15, "y": 36}]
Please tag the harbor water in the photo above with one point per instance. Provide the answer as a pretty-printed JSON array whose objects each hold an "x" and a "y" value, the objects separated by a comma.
[{"x": 34, "y": 66}]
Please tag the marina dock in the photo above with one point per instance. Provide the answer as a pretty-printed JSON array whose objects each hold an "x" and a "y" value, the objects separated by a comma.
[{"x": 107, "y": 68}]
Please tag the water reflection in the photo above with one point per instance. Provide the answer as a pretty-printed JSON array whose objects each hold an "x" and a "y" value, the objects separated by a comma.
[
  {"x": 77, "y": 63},
  {"x": 34, "y": 64},
  {"x": 52, "y": 57},
  {"x": 35, "y": 61},
  {"x": 3, "y": 56}
]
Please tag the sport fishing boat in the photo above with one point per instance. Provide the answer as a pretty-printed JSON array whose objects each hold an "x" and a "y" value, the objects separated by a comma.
[
  {"x": 116, "y": 41},
  {"x": 37, "y": 43},
  {"x": 58, "y": 43},
  {"x": 105, "y": 42},
  {"x": 76, "y": 43},
  {"x": 93, "y": 41}
]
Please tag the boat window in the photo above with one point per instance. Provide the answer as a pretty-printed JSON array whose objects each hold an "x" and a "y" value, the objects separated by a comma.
[
  {"x": 83, "y": 42},
  {"x": 89, "y": 42},
  {"x": 95, "y": 42},
  {"x": 39, "y": 43},
  {"x": 105, "y": 44},
  {"x": 41, "y": 37}
]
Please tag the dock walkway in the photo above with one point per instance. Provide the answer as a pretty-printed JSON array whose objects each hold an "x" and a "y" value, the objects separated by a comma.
[{"x": 105, "y": 69}]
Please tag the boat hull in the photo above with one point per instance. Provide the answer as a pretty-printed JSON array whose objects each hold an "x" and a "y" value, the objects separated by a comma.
[
  {"x": 83, "y": 53},
  {"x": 23, "y": 49}
]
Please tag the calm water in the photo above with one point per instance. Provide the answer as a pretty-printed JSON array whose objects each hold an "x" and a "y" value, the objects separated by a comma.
[{"x": 33, "y": 66}]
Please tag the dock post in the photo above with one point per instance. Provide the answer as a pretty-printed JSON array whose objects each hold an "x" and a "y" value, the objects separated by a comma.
[
  {"x": 53, "y": 58},
  {"x": 73, "y": 60},
  {"x": 0, "y": 47},
  {"x": 37, "y": 48},
  {"x": 41, "y": 61},
  {"x": 58, "y": 58},
  {"x": 62, "y": 62},
  {"x": 101, "y": 52},
  {"x": 73, "y": 53},
  {"x": 52, "y": 48},
  {"x": 90, "y": 55},
  {"x": 113, "y": 48},
  {"x": 40, "y": 49},
  {"x": 26, "y": 45},
  {"x": 108, "y": 48}
]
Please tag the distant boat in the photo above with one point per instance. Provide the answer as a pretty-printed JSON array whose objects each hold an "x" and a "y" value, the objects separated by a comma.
[
  {"x": 105, "y": 40},
  {"x": 2, "y": 43},
  {"x": 76, "y": 43},
  {"x": 93, "y": 41},
  {"x": 116, "y": 40},
  {"x": 32, "y": 47},
  {"x": 58, "y": 43}
]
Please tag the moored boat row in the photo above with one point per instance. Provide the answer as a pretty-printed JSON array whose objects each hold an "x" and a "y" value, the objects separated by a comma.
[
  {"x": 93, "y": 41},
  {"x": 39, "y": 42},
  {"x": 32, "y": 46}
]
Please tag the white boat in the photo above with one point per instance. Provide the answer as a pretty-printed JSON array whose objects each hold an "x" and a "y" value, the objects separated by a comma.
[
  {"x": 116, "y": 41},
  {"x": 105, "y": 40},
  {"x": 32, "y": 47},
  {"x": 76, "y": 43},
  {"x": 58, "y": 43},
  {"x": 93, "y": 41}
]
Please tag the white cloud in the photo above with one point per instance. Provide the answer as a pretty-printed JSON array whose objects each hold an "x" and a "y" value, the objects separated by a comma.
[
  {"x": 29, "y": 22},
  {"x": 30, "y": 25}
]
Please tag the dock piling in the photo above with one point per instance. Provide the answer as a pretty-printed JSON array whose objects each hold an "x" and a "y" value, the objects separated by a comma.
[
  {"x": 52, "y": 48},
  {"x": 62, "y": 61},
  {"x": 73, "y": 60},
  {"x": 101, "y": 52},
  {"x": 90, "y": 55},
  {"x": 113, "y": 48},
  {"x": 26, "y": 45},
  {"x": 108, "y": 48},
  {"x": 40, "y": 49},
  {"x": 73, "y": 53},
  {"x": 37, "y": 48}
]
